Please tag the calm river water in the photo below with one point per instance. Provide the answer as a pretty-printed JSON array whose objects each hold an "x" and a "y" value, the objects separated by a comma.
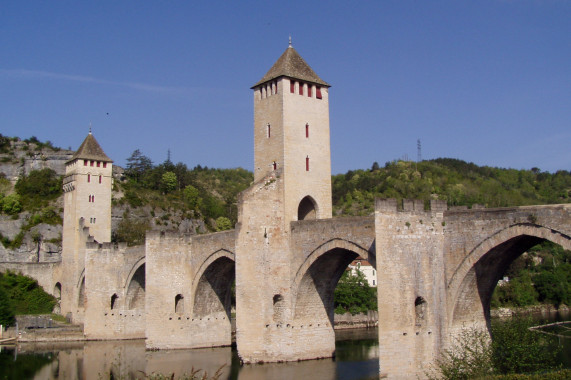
[
  {"x": 356, "y": 350},
  {"x": 357, "y": 353}
]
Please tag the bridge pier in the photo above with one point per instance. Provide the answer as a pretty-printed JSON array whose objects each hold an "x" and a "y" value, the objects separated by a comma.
[{"x": 411, "y": 288}]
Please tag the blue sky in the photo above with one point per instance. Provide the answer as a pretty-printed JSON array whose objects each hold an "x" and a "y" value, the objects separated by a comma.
[{"x": 484, "y": 81}]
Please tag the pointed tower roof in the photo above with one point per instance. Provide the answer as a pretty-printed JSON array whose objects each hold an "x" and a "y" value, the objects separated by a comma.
[
  {"x": 291, "y": 65},
  {"x": 90, "y": 150}
]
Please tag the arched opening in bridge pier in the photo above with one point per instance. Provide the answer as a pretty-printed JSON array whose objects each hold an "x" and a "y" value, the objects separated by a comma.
[
  {"x": 315, "y": 299},
  {"x": 113, "y": 304},
  {"x": 213, "y": 295},
  {"x": 307, "y": 209},
  {"x": 136, "y": 291},
  {"x": 57, "y": 291},
  {"x": 494, "y": 270}
]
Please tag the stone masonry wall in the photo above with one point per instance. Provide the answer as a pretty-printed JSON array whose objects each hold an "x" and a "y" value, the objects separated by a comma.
[
  {"x": 410, "y": 285},
  {"x": 108, "y": 272}
]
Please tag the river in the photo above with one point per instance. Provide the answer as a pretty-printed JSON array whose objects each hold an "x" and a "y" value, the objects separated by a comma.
[{"x": 357, "y": 353}]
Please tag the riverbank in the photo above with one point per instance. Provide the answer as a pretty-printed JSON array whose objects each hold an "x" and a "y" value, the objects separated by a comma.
[{"x": 507, "y": 312}]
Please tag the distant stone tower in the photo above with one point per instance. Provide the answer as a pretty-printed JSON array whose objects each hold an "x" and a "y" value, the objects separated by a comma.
[
  {"x": 87, "y": 212},
  {"x": 291, "y": 134},
  {"x": 292, "y": 182}
]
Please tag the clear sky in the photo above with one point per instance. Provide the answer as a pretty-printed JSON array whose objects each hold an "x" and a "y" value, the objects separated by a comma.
[{"x": 484, "y": 81}]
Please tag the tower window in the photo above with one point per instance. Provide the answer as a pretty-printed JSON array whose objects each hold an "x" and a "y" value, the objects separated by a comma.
[
  {"x": 89, "y": 178},
  {"x": 318, "y": 92},
  {"x": 104, "y": 165},
  {"x": 274, "y": 165},
  {"x": 91, "y": 163},
  {"x": 307, "y": 163},
  {"x": 276, "y": 87},
  {"x": 300, "y": 88},
  {"x": 84, "y": 162},
  {"x": 99, "y": 179},
  {"x": 309, "y": 90},
  {"x": 292, "y": 86},
  {"x": 306, "y": 130},
  {"x": 269, "y": 130}
]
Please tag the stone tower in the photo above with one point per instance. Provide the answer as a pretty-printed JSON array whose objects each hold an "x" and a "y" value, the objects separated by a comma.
[
  {"x": 292, "y": 182},
  {"x": 291, "y": 133},
  {"x": 87, "y": 215}
]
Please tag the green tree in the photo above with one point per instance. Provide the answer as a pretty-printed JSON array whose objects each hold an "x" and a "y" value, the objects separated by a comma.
[
  {"x": 192, "y": 197},
  {"x": 169, "y": 182},
  {"x": 223, "y": 223},
  {"x": 131, "y": 231},
  {"x": 137, "y": 165},
  {"x": 353, "y": 294},
  {"x": 6, "y": 312}
]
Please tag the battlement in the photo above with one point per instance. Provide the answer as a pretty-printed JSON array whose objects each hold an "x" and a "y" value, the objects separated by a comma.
[{"x": 391, "y": 205}]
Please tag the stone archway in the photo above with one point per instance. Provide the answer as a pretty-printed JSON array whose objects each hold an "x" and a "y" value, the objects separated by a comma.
[
  {"x": 471, "y": 287},
  {"x": 212, "y": 287},
  {"x": 135, "y": 296},
  {"x": 307, "y": 209}
]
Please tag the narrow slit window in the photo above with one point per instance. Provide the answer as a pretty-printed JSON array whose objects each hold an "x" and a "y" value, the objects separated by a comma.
[
  {"x": 91, "y": 163},
  {"x": 98, "y": 163},
  {"x": 274, "y": 165},
  {"x": 318, "y": 92},
  {"x": 309, "y": 90},
  {"x": 269, "y": 131},
  {"x": 276, "y": 84},
  {"x": 104, "y": 165},
  {"x": 84, "y": 162},
  {"x": 89, "y": 178},
  {"x": 292, "y": 86},
  {"x": 300, "y": 88},
  {"x": 307, "y": 130},
  {"x": 99, "y": 179},
  {"x": 307, "y": 163}
]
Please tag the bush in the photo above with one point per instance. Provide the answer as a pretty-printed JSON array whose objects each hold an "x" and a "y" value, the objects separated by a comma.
[
  {"x": 516, "y": 349},
  {"x": 24, "y": 294},
  {"x": 469, "y": 358},
  {"x": 11, "y": 204},
  {"x": 131, "y": 232}
]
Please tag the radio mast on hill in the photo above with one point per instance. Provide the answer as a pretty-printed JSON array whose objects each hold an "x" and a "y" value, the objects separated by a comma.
[{"x": 418, "y": 151}]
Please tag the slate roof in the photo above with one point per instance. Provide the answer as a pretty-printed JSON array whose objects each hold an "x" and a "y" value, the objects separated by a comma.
[
  {"x": 291, "y": 65},
  {"x": 90, "y": 150}
]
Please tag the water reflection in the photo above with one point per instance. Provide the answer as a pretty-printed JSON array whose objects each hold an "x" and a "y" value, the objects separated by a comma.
[{"x": 357, "y": 358}]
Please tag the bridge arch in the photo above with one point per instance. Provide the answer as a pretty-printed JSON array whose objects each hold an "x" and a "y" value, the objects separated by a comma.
[
  {"x": 472, "y": 284},
  {"x": 135, "y": 286},
  {"x": 212, "y": 286},
  {"x": 317, "y": 277}
]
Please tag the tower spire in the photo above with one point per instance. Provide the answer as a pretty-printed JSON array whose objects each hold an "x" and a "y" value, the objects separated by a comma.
[{"x": 290, "y": 41}]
